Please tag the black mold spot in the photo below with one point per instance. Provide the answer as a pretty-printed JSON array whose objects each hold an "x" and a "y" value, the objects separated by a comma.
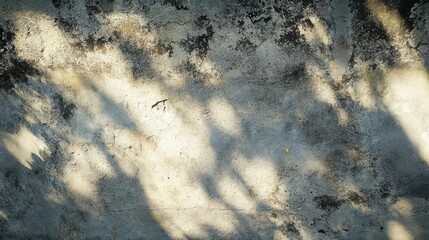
[
  {"x": 178, "y": 4},
  {"x": 66, "y": 108},
  {"x": 290, "y": 36},
  {"x": 200, "y": 44},
  {"x": 66, "y": 24},
  {"x": 17, "y": 73},
  {"x": 308, "y": 23},
  {"x": 57, "y": 3},
  {"x": 322, "y": 231},
  {"x": 326, "y": 202},
  {"x": 201, "y": 21}
]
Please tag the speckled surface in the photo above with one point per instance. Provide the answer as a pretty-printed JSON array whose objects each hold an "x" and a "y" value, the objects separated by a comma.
[{"x": 169, "y": 119}]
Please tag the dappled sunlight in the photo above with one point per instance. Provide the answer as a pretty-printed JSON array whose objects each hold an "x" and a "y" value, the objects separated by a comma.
[
  {"x": 315, "y": 34},
  {"x": 223, "y": 115},
  {"x": 363, "y": 93},
  {"x": 403, "y": 206},
  {"x": 324, "y": 91},
  {"x": 261, "y": 178},
  {"x": 397, "y": 231},
  {"x": 3, "y": 215},
  {"x": 405, "y": 94},
  {"x": 161, "y": 122},
  {"x": 24, "y": 144},
  {"x": 394, "y": 26}
]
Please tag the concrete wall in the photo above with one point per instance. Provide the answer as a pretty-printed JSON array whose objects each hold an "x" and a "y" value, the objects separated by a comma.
[{"x": 183, "y": 119}]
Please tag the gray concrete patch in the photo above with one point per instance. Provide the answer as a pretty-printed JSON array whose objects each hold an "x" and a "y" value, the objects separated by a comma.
[{"x": 183, "y": 119}]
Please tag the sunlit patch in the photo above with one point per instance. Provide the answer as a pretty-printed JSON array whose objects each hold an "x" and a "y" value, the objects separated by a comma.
[
  {"x": 3, "y": 215},
  {"x": 224, "y": 116},
  {"x": 24, "y": 146},
  {"x": 325, "y": 93},
  {"x": 316, "y": 34},
  {"x": 38, "y": 38},
  {"x": 85, "y": 165},
  {"x": 398, "y": 231},
  {"x": 406, "y": 93},
  {"x": 363, "y": 94},
  {"x": 403, "y": 206},
  {"x": 67, "y": 79},
  {"x": 394, "y": 26},
  {"x": 260, "y": 176},
  {"x": 236, "y": 194}
]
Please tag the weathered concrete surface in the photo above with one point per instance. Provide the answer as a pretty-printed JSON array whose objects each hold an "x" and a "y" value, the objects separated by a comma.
[{"x": 169, "y": 119}]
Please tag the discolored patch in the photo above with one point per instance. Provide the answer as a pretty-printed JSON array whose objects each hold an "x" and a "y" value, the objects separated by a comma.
[
  {"x": 66, "y": 108},
  {"x": 356, "y": 198},
  {"x": 17, "y": 73},
  {"x": 288, "y": 227},
  {"x": 245, "y": 45},
  {"x": 161, "y": 48},
  {"x": 178, "y": 4},
  {"x": 199, "y": 44},
  {"x": 326, "y": 202},
  {"x": 92, "y": 43}
]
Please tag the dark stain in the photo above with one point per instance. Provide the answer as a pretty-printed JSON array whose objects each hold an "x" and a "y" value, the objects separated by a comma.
[
  {"x": 245, "y": 45},
  {"x": 200, "y": 43},
  {"x": 307, "y": 23},
  {"x": 178, "y": 4},
  {"x": 322, "y": 231},
  {"x": 288, "y": 227},
  {"x": 68, "y": 25},
  {"x": 192, "y": 70},
  {"x": 257, "y": 16},
  {"x": 326, "y": 202},
  {"x": 202, "y": 21},
  {"x": 404, "y": 8},
  {"x": 66, "y": 108},
  {"x": 290, "y": 36},
  {"x": 384, "y": 189},
  {"x": 12, "y": 69},
  {"x": 139, "y": 60},
  {"x": 376, "y": 48},
  {"x": 99, "y": 6},
  {"x": 8, "y": 173},
  {"x": 294, "y": 76},
  {"x": 162, "y": 48},
  {"x": 355, "y": 198},
  {"x": 17, "y": 73},
  {"x": 91, "y": 43},
  {"x": 56, "y": 3}
]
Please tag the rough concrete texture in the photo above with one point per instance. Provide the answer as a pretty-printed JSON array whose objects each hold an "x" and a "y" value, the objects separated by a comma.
[{"x": 170, "y": 119}]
